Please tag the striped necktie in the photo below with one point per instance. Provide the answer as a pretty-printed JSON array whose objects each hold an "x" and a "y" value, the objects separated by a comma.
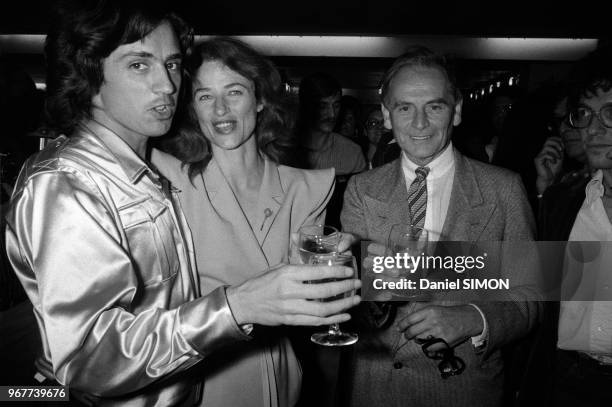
[{"x": 417, "y": 197}]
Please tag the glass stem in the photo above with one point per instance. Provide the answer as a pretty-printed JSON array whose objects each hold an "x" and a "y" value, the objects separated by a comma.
[{"x": 334, "y": 329}]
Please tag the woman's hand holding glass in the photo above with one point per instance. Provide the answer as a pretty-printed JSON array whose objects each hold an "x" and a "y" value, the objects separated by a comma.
[
  {"x": 320, "y": 245},
  {"x": 282, "y": 296}
]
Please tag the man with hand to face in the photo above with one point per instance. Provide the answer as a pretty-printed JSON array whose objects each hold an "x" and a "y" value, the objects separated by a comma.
[
  {"x": 574, "y": 349},
  {"x": 98, "y": 240},
  {"x": 460, "y": 199}
]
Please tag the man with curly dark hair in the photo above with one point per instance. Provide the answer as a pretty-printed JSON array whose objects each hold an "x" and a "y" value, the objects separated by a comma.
[{"x": 97, "y": 237}]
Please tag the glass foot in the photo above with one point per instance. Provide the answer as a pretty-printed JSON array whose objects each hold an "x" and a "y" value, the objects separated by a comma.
[{"x": 335, "y": 339}]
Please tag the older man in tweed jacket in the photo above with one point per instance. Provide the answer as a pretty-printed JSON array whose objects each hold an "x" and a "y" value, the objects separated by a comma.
[{"x": 439, "y": 189}]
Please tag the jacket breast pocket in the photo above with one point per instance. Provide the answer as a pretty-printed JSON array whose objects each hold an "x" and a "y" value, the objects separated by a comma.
[{"x": 149, "y": 228}]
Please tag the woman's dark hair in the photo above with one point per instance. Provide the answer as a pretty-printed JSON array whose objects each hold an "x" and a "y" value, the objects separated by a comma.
[
  {"x": 272, "y": 129},
  {"x": 84, "y": 33}
]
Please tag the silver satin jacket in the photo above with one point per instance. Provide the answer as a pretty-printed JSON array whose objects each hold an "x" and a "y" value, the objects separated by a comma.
[{"x": 106, "y": 259}]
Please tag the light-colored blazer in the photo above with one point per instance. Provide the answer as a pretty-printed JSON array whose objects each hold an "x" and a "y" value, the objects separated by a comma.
[
  {"x": 486, "y": 203},
  {"x": 231, "y": 249}
]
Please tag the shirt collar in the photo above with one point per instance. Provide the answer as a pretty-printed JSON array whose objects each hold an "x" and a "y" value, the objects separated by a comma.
[
  {"x": 133, "y": 166},
  {"x": 437, "y": 167},
  {"x": 594, "y": 189}
]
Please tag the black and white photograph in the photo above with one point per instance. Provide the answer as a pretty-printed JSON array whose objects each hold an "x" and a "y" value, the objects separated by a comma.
[{"x": 335, "y": 203}]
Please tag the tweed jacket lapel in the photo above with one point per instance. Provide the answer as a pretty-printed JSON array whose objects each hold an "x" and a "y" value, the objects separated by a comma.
[
  {"x": 468, "y": 214},
  {"x": 388, "y": 204}
]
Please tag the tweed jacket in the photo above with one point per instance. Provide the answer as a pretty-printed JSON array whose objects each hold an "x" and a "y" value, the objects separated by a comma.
[{"x": 486, "y": 204}]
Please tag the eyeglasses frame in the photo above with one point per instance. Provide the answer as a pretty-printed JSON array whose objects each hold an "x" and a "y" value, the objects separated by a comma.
[
  {"x": 592, "y": 114},
  {"x": 450, "y": 364}
]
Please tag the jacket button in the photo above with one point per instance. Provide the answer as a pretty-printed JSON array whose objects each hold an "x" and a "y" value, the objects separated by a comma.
[{"x": 398, "y": 365}]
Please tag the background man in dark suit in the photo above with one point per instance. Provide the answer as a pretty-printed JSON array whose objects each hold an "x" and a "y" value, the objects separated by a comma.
[{"x": 453, "y": 197}]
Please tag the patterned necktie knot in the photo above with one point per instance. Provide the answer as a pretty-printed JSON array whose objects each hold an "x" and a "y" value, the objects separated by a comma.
[{"x": 421, "y": 173}]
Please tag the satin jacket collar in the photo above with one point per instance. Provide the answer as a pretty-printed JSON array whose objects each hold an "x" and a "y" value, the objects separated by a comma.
[{"x": 133, "y": 166}]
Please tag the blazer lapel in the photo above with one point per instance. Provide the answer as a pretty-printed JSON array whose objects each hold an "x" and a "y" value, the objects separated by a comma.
[
  {"x": 468, "y": 213},
  {"x": 226, "y": 206},
  {"x": 271, "y": 197}
]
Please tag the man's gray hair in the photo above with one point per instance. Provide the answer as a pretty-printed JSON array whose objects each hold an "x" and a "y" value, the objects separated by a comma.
[{"x": 420, "y": 56}]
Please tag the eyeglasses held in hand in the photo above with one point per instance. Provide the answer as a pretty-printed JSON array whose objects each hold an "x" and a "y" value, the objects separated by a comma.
[
  {"x": 450, "y": 365},
  {"x": 582, "y": 116}
]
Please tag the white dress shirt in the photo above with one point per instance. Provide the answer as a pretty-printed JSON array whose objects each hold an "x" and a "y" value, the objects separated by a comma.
[
  {"x": 586, "y": 326},
  {"x": 439, "y": 188}
]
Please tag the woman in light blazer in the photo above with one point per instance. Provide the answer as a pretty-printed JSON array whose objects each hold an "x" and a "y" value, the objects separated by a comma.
[{"x": 241, "y": 205}]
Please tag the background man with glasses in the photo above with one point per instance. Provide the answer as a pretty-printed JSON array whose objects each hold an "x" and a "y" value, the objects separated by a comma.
[
  {"x": 382, "y": 147},
  {"x": 562, "y": 159},
  {"x": 465, "y": 200},
  {"x": 574, "y": 352}
]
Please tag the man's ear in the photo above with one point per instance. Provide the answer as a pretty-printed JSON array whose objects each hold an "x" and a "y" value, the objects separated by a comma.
[
  {"x": 458, "y": 110},
  {"x": 386, "y": 116}
]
